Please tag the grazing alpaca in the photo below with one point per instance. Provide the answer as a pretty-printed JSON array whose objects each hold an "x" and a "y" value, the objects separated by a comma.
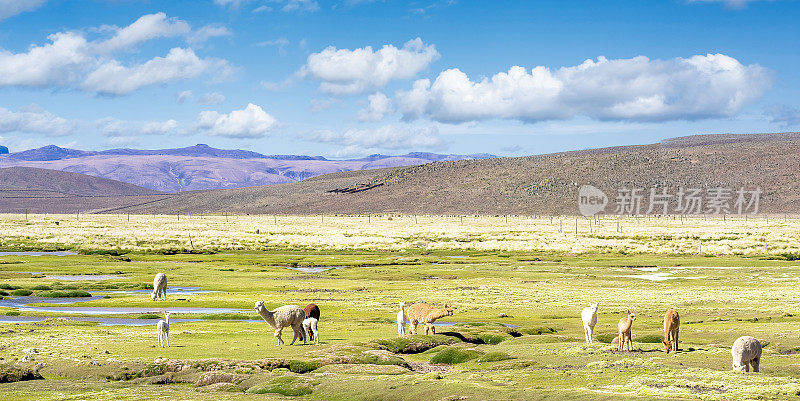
[
  {"x": 285, "y": 316},
  {"x": 589, "y": 317},
  {"x": 159, "y": 287},
  {"x": 162, "y": 328},
  {"x": 624, "y": 327},
  {"x": 672, "y": 323},
  {"x": 310, "y": 329},
  {"x": 401, "y": 320},
  {"x": 426, "y": 314},
  {"x": 746, "y": 352}
]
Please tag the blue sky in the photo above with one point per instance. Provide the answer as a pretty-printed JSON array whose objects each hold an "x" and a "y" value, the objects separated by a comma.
[{"x": 348, "y": 78}]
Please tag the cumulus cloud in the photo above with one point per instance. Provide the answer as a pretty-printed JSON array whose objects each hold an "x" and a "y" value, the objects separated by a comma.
[
  {"x": 10, "y": 8},
  {"x": 250, "y": 122},
  {"x": 345, "y": 71},
  {"x": 207, "y": 32},
  {"x": 70, "y": 61},
  {"x": 388, "y": 137},
  {"x": 147, "y": 27},
  {"x": 635, "y": 89},
  {"x": 34, "y": 120},
  {"x": 112, "y": 78},
  {"x": 786, "y": 116},
  {"x": 379, "y": 107},
  {"x": 116, "y": 128},
  {"x": 211, "y": 98}
]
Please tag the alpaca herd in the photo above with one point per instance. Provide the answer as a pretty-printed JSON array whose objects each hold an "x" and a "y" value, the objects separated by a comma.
[{"x": 745, "y": 353}]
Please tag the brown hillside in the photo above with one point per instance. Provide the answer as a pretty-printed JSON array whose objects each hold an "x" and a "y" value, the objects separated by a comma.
[{"x": 545, "y": 184}]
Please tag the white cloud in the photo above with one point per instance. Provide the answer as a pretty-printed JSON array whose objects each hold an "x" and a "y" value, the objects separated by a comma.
[
  {"x": 786, "y": 116},
  {"x": 636, "y": 89},
  {"x": 115, "y": 128},
  {"x": 262, "y": 9},
  {"x": 389, "y": 137},
  {"x": 211, "y": 98},
  {"x": 230, "y": 3},
  {"x": 147, "y": 27},
  {"x": 344, "y": 71},
  {"x": 34, "y": 120},
  {"x": 183, "y": 96},
  {"x": 159, "y": 127},
  {"x": 280, "y": 43},
  {"x": 70, "y": 61},
  {"x": 112, "y": 78},
  {"x": 301, "y": 5},
  {"x": 207, "y": 32},
  {"x": 250, "y": 122},
  {"x": 10, "y": 8},
  {"x": 379, "y": 107},
  {"x": 728, "y": 3}
]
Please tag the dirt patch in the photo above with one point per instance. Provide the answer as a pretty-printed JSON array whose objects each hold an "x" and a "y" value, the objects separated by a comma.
[{"x": 424, "y": 367}]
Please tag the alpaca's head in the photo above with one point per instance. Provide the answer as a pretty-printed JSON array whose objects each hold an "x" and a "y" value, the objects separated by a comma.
[
  {"x": 631, "y": 316},
  {"x": 402, "y": 305},
  {"x": 449, "y": 309},
  {"x": 153, "y": 294},
  {"x": 593, "y": 306},
  {"x": 166, "y": 315},
  {"x": 259, "y": 306},
  {"x": 667, "y": 346}
]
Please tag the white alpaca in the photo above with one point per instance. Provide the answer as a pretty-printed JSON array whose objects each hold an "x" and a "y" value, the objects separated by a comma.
[
  {"x": 310, "y": 327},
  {"x": 401, "y": 320},
  {"x": 159, "y": 287},
  {"x": 746, "y": 352},
  {"x": 285, "y": 316},
  {"x": 589, "y": 317},
  {"x": 162, "y": 328}
]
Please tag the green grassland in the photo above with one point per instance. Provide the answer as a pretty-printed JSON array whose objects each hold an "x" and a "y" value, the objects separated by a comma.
[{"x": 535, "y": 351}]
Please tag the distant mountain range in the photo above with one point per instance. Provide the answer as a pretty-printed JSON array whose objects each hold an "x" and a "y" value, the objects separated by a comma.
[{"x": 202, "y": 167}]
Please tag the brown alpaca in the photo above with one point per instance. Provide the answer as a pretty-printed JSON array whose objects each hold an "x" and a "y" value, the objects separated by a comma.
[
  {"x": 624, "y": 327},
  {"x": 672, "y": 323},
  {"x": 426, "y": 314}
]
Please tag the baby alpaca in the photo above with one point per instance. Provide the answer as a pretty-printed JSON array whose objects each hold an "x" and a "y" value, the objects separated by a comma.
[
  {"x": 285, "y": 316},
  {"x": 162, "y": 328},
  {"x": 746, "y": 352},
  {"x": 310, "y": 329},
  {"x": 672, "y": 323},
  {"x": 401, "y": 320},
  {"x": 159, "y": 287},
  {"x": 624, "y": 327},
  {"x": 589, "y": 317}
]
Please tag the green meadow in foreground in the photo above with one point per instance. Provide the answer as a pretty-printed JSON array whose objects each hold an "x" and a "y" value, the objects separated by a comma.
[{"x": 516, "y": 331}]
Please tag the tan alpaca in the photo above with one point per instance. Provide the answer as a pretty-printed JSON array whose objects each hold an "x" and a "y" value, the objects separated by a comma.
[
  {"x": 426, "y": 314},
  {"x": 672, "y": 323},
  {"x": 624, "y": 327}
]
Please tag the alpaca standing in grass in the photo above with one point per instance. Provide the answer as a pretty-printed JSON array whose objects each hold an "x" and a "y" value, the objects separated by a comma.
[
  {"x": 624, "y": 327},
  {"x": 401, "y": 320},
  {"x": 672, "y": 323},
  {"x": 162, "y": 328},
  {"x": 746, "y": 352},
  {"x": 426, "y": 314},
  {"x": 285, "y": 316},
  {"x": 589, "y": 317},
  {"x": 159, "y": 287},
  {"x": 310, "y": 329},
  {"x": 311, "y": 310}
]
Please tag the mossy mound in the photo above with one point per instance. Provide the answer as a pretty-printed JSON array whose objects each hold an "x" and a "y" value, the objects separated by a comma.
[
  {"x": 10, "y": 373},
  {"x": 452, "y": 355},
  {"x": 285, "y": 385},
  {"x": 494, "y": 357},
  {"x": 413, "y": 344},
  {"x": 64, "y": 294}
]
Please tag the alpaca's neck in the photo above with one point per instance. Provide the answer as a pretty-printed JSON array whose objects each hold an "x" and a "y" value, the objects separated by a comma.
[
  {"x": 268, "y": 316},
  {"x": 436, "y": 314},
  {"x": 628, "y": 323}
]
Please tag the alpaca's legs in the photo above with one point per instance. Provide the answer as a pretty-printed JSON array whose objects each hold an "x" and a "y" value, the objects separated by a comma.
[
  {"x": 755, "y": 363},
  {"x": 278, "y": 335},
  {"x": 316, "y": 333},
  {"x": 676, "y": 339},
  {"x": 591, "y": 331},
  {"x": 160, "y": 344},
  {"x": 166, "y": 336},
  {"x": 620, "y": 339},
  {"x": 297, "y": 335}
]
